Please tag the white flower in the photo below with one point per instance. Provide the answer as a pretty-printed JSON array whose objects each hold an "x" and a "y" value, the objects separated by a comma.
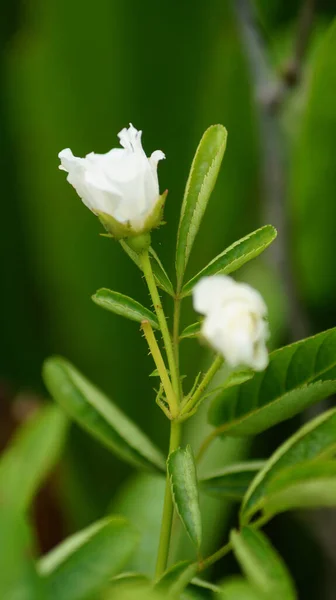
[
  {"x": 122, "y": 183},
  {"x": 234, "y": 321}
]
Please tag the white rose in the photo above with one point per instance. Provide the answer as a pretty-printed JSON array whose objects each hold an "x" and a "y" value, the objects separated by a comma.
[
  {"x": 234, "y": 321},
  {"x": 122, "y": 183}
]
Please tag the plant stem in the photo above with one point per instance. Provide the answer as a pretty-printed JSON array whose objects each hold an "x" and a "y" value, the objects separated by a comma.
[
  {"x": 161, "y": 367},
  {"x": 204, "y": 564},
  {"x": 147, "y": 269},
  {"x": 191, "y": 403},
  {"x": 206, "y": 443},
  {"x": 168, "y": 508}
]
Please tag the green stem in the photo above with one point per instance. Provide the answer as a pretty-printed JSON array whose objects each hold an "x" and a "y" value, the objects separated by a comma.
[
  {"x": 203, "y": 385},
  {"x": 215, "y": 557},
  {"x": 147, "y": 269},
  {"x": 168, "y": 508},
  {"x": 206, "y": 443}
]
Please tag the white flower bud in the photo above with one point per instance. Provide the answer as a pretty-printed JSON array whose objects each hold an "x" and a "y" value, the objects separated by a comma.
[
  {"x": 121, "y": 186},
  {"x": 234, "y": 321}
]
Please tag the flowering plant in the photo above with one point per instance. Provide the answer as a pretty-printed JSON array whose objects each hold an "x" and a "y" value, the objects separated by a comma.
[{"x": 247, "y": 391}]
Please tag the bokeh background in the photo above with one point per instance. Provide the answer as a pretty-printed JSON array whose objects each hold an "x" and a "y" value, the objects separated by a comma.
[{"x": 73, "y": 73}]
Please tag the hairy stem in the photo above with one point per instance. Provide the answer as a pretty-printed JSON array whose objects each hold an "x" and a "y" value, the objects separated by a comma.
[{"x": 192, "y": 402}]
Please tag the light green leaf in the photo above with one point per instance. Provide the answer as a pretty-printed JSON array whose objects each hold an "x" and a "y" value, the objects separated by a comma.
[
  {"x": 315, "y": 440},
  {"x": 161, "y": 277},
  {"x": 235, "y": 255},
  {"x": 201, "y": 181},
  {"x": 18, "y": 577},
  {"x": 124, "y": 306},
  {"x": 191, "y": 331},
  {"x": 182, "y": 473},
  {"x": 296, "y": 377},
  {"x": 302, "y": 486},
  {"x": 87, "y": 405},
  {"x": 31, "y": 456},
  {"x": 237, "y": 588},
  {"x": 231, "y": 482},
  {"x": 176, "y": 578},
  {"x": 262, "y": 565},
  {"x": 84, "y": 564}
]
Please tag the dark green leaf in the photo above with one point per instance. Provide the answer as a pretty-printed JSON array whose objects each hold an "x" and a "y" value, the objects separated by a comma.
[
  {"x": 316, "y": 439},
  {"x": 31, "y": 456},
  {"x": 84, "y": 564},
  {"x": 97, "y": 414},
  {"x": 233, "y": 481},
  {"x": 191, "y": 331},
  {"x": 182, "y": 473},
  {"x": 161, "y": 277},
  {"x": 201, "y": 181},
  {"x": 262, "y": 565},
  {"x": 176, "y": 578},
  {"x": 296, "y": 377},
  {"x": 124, "y": 306},
  {"x": 235, "y": 256}
]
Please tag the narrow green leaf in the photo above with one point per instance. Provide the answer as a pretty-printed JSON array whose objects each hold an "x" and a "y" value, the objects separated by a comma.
[
  {"x": 124, "y": 306},
  {"x": 231, "y": 482},
  {"x": 191, "y": 331},
  {"x": 201, "y": 181},
  {"x": 235, "y": 256},
  {"x": 237, "y": 588},
  {"x": 182, "y": 473},
  {"x": 176, "y": 578},
  {"x": 262, "y": 565},
  {"x": 296, "y": 377},
  {"x": 31, "y": 456},
  {"x": 18, "y": 577},
  {"x": 315, "y": 440},
  {"x": 161, "y": 277},
  {"x": 84, "y": 564},
  {"x": 97, "y": 414}
]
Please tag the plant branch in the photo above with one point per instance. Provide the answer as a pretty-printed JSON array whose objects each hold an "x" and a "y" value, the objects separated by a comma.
[{"x": 193, "y": 401}]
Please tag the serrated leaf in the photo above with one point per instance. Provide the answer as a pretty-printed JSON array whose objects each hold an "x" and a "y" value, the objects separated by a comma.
[
  {"x": 262, "y": 565},
  {"x": 301, "y": 486},
  {"x": 296, "y": 377},
  {"x": 237, "y": 588},
  {"x": 315, "y": 440},
  {"x": 84, "y": 563},
  {"x": 18, "y": 577},
  {"x": 235, "y": 256},
  {"x": 201, "y": 181},
  {"x": 231, "y": 482},
  {"x": 183, "y": 478},
  {"x": 160, "y": 274},
  {"x": 31, "y": 456},
  {"x": 89, "y": 407},
  {"x": 191, "y": 331},
  {"x": 176, "y": 578},
  {"x": 124, "y": 306}
]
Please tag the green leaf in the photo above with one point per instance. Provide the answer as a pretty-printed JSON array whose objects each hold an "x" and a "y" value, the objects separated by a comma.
[
  {"x": 31, "y": 456},
  {"x": 302, "y": 486},
  {"x": 176, "y": 578},
  {"x": 182, "y": 473},
  {"x": 235, "y": 255},
  {"x": 237, "y": 588},
  {"x": 161, "y": 277},
  {"x": 98, "y": 415},
  {"x": 315, "y": 440},
  {"x": 262, "y": 565},
  {"x": 124, "y": 306},
  {"x": 18, "y": 577},
  {"x": 201, "y": 181},
  {"x": 296, "y": 377},
  {"x": 84, "y": 563},
  {"x": 191, "y": 331},
  {"x": 231, "y": 482}
]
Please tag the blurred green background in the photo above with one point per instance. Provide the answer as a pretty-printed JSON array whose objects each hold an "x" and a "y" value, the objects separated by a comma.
[{"x": 73, "y": 74}]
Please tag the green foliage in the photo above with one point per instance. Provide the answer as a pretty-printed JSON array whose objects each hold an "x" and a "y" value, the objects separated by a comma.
[
  {"x": 232, "y": 481},
  {"x": 84, "y": 563},
  {"x": 160, "y": 274},
  {"x": 202, "y": 178},
  {"x": 235, "y": 256},
  {"x": 191, "y": 331},
  {"x": 238, "y": 589},
  {"x": 176, "y": 579},
  {"x": 183, "y": 479},
  {"x": 95, "y": 413},
  {"x": 31, "y": 456},
  {"x": 262, "y": 565},
  {"x": 297, "y": 376},
  {"x": 124, "y": 306}
]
